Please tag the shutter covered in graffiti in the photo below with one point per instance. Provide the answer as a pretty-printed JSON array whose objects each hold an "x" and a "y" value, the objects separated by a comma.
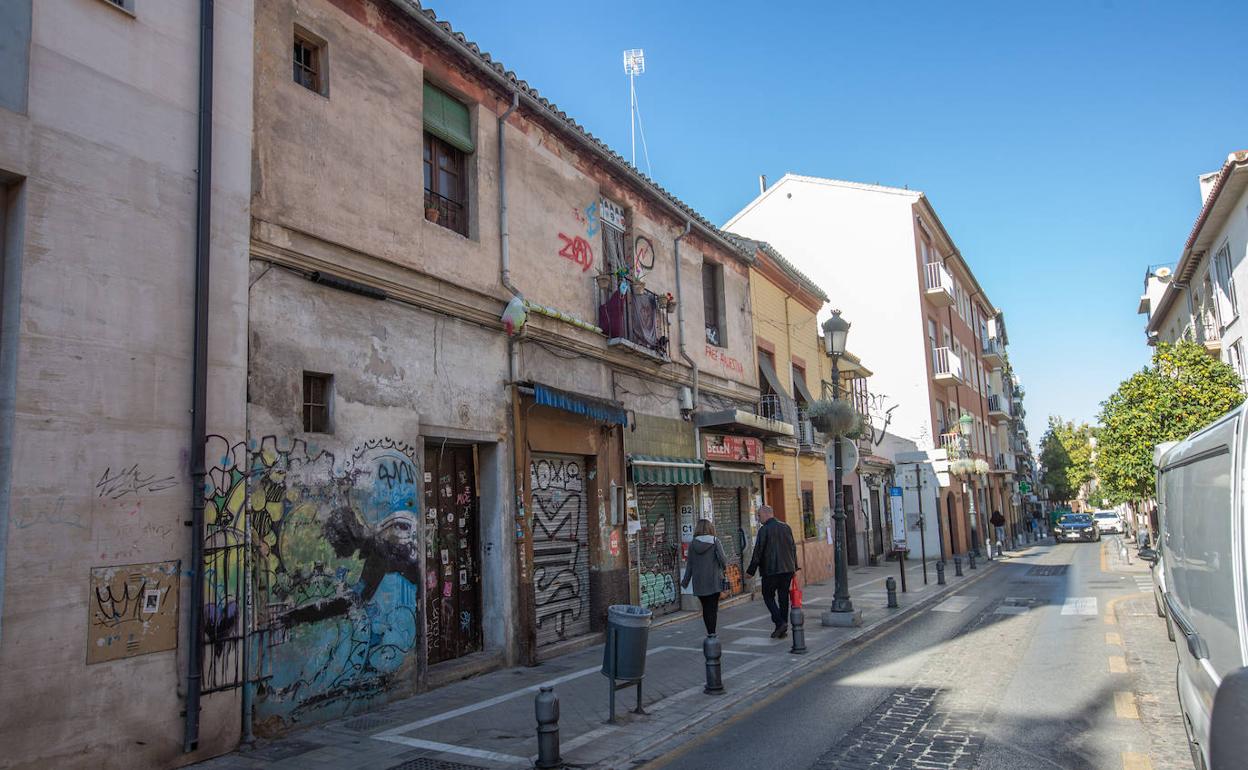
[
  {"x": 560, "y": 547},
  {"x": 727, "y": 506},
  {"x": 658, "y": 547},
  {"x": 452, "y": 569}
]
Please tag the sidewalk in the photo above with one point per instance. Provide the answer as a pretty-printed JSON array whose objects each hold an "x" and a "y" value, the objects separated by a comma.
[{"x": 488, "y": 721}]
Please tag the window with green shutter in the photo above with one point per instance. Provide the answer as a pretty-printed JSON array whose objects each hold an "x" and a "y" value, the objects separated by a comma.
[{"x": 448, "y": 119}]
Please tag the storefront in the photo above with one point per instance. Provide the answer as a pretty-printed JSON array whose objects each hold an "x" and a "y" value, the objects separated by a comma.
[
  {"x": 572, "y": 563},
  {"x": 733, "y": 476},
  {"x": 663, "y": 487},
  {"x": 875, "y": 474}
]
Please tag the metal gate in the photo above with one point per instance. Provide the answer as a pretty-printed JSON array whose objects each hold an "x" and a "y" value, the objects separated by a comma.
[
  {"x": 560, "y": 547},
  {"x": 726, "y": 502},
  {"x": 452, "y": 568},
  {"x": 658, "y": 550}
]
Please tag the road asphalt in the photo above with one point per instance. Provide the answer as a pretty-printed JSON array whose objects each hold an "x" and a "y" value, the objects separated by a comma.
[{"x": 1057, "y": 660}]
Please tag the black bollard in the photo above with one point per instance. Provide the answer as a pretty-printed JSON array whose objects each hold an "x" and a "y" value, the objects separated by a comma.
[
  {"x": 797, "y": 624},
  {"x": 547, "y": 709},
  {"x": 971, "y": 558},
  {"x": 890, "y": 585},
  {"x": 957, "y": 566},
  {"x": 940, "y": 573},
  {"x": 713, "y": 650}
]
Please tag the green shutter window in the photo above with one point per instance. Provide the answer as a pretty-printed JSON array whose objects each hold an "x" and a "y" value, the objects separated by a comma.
[{"x": 447, "y": 119}]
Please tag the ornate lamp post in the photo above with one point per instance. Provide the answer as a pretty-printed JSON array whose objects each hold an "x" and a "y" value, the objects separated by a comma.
[
  {"x": 966, "y": 423},
  {"x": 842, "y": 613}
]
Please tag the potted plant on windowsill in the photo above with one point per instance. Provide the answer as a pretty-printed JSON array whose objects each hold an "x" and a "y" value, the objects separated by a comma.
[
  {"x": 431, "y": 214},
  {"x": 604, "y": 282}
]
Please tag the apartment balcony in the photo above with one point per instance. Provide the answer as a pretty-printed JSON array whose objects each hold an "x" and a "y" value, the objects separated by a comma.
[
  {"x": 1002, "y": 465},
  {"x": 804, "y": 431},
  {"x": 635, "y": 322},
  {"x": 946, "y": 367},
  {"x": 1207, "y": 334},
  {"x": 938, "y": 285},
  {"x": 998, "y": 407},
  {"x": 994, "y": 353},
  {"x": 951, "y": 443}
]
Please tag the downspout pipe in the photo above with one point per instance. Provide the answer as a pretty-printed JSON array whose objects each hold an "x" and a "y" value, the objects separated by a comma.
[
  {"x": 680, "y": 320},
  {"x": 199, "y": 376}
]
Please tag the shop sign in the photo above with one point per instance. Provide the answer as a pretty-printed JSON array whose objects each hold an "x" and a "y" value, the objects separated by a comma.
[{"x": 735, "y": 449}]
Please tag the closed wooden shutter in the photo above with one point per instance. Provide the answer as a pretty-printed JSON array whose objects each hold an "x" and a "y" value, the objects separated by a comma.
[
  {"x": 560, "y": 547},
  {"x": 447, "y": 119}
]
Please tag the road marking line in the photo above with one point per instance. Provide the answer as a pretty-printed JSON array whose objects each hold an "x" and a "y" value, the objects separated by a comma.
[
  {"x": 954, "y": 604},
  {"x": 1124, "y": 705},
  {"x": 418, "y": 743},
  {"x": 1134, "y": 760},
  {"x": 1117, "y": 664},
  {"x": 1113, "y": 637},
  {"x": 1080, "y": 605}
]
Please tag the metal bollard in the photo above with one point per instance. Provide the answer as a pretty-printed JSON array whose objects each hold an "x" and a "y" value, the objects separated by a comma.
[
  {"x": 971, "y": 559},
  {"x": 957, "y": 566},
  {"x": 797, "y": 624},
  {"x": 890, "y": 585},
  {"x": 713, "y": 651},
  {"x": 547, "y": 709},
  {"x": 940, "y": 573}
]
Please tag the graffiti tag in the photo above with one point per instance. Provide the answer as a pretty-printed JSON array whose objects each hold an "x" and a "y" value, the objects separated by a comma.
[
  {"x": 131, "y": 481},
  {"x": 577, "y": 250}
]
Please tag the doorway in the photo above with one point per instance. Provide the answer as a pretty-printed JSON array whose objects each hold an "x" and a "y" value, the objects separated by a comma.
[
  {"x": 851, "y": 526},
  {"x": 453, "y": 583},
  {"x": 877, "y": 521},
  {"x": 773, "y": 488}
]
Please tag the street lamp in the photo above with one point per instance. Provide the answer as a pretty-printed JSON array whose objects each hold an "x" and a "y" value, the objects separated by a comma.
[
  {"x": 967, "y": 423},
  {"x": 842, "y": 613}
]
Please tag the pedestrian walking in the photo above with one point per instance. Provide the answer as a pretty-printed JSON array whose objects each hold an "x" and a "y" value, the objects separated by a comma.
[
  {"x": 704, "y": 568},
  {"x": 775, "y": 556},
  {"x": 998, "y": 523}
]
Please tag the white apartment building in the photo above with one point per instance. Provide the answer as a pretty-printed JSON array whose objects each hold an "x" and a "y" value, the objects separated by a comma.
[
  {"x": 935, "y": 340},
  {"x": 1198, "y": 299}
]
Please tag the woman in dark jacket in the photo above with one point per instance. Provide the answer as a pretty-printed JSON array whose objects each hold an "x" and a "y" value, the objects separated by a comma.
[{"x": 705, "y": 569}]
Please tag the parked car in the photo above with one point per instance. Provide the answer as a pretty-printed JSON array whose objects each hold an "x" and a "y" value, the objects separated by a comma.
[
  {"x": 1203, "y": 514},
  {"x": 1076, "y": 526},
  {"x": 1108, "y": 522}
]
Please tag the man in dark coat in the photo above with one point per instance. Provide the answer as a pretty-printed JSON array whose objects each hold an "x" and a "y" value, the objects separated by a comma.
[{"x": 775, "y": 554}]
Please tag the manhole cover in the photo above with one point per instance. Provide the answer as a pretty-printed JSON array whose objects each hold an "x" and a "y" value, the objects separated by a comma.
[
  {"x": 428, "y": 763},
  {"x": 364, "y": 724},
  {"x": 1048, "y": 570}
]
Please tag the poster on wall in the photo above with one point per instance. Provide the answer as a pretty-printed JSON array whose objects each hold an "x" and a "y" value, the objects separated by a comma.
[
  {"x": 133, "y": 610},
  {"x": 898, "y": 519}
]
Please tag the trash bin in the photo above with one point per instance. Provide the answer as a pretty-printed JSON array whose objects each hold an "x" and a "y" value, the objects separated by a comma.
[{"x": 628, "y": 632}]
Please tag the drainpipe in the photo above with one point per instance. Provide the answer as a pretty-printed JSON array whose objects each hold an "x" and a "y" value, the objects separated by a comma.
[
  {"x": 797, "y": 450},
  {"x": 680, "y": 322},
  {"x": 513, "y": 351},
  {"x": 199, "y": 387}
]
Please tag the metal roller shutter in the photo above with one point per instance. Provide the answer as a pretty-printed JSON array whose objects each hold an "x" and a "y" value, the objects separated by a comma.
[
  {"x": 560, "y": 547},
  {"x": 726, "y": 502},
  {"x": 658, "y": 547}
]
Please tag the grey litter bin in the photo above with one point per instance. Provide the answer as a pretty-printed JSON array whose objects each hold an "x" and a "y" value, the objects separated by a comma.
[
  {"x": 624, "y": 655},
  {"x": 628, "y": 632}
]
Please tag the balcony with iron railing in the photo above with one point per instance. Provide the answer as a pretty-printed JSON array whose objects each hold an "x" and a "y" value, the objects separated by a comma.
[
  {"x": 804, "y": 431},
  {"x": 635, "y": 320},
  {"x": 951, "y": 443},
  {"x": 998, "y": 407},
  {"x": 946, "y": 366},
  {"x": 993, "y": 352},
  {"x": 446, "y": 212},
  {"x": 938, "y": 284},
  {"x": 1206, "y": 332}
]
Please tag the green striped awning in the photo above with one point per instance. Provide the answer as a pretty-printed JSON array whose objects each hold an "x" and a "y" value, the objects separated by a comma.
[
  {"x": 667, "y": 471},
  {"x": 742, "y": 475}
]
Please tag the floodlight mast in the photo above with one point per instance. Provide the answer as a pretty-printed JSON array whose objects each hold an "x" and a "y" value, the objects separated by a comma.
[{"x": 634, "y": 65}]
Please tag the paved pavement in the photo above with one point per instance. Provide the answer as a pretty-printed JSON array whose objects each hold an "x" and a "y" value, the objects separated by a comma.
[
  {"x": 1056, "y": 659},
  {"x": 488, "y": 721}
]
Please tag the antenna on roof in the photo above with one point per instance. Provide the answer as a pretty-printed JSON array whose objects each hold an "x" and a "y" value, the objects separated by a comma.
[{"x": 634, "y": 65}]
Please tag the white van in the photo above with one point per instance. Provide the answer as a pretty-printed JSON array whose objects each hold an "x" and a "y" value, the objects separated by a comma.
[{"x": 1202, "y": 510}]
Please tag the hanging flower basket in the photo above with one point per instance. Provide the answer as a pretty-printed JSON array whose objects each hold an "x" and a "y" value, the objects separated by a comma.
[
  {"x": 962, "y": 467},
  {"x": 835, "y": 418},
  {"x": 981, "y": 467}
]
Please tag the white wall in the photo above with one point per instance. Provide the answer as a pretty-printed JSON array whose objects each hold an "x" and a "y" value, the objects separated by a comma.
[
  {"x": 857, "y": 243},
  {"x": 1235, "y": 232}
]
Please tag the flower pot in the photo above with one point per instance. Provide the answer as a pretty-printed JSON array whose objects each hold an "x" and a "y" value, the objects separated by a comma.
[
  {"x": 663, "y": 303},
  {"x": 604, "y": 281},
  {"x": 431, "y": 214}
]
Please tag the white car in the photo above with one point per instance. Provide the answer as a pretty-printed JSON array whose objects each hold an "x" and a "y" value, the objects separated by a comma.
[{"x": 1108, "y": 522}]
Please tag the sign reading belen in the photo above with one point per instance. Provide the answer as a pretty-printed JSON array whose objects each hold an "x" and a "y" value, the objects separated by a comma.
[{"x": 735, "y": 449}]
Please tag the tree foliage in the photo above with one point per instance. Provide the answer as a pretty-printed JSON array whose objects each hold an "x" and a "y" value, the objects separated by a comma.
[
  {"x": 1066, "y": 456},
  {"x": 1182, "y": 391}
]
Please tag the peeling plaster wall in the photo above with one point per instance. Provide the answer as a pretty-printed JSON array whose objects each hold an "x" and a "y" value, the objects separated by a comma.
[
  {"x": 101, "y": 441},
  {"x": 342, "y": 563}
]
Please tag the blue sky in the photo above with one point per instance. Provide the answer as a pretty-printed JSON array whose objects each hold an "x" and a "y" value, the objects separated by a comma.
[{"x": 1060, "y": 143}]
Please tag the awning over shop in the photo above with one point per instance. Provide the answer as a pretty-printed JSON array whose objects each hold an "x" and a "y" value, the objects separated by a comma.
[
  {"x": 586, "y": 406},
  {"x": 667, "y": 471},
  {"x": 733, "y": 475}
]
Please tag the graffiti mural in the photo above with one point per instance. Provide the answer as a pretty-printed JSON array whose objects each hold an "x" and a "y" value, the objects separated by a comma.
[
  {"x": 334, "y": 548},
  {"x": 560, "y": 547},
  {"x": 658, "y": 543}
]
